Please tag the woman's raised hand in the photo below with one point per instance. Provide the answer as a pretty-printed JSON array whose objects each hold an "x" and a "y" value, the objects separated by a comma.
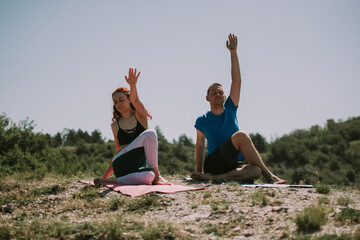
[{"x": 132, "y": 78}]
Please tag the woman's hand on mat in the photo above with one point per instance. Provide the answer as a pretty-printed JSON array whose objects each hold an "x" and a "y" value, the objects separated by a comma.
[
  {"x": 231, "y": 44},
  {"x": 132, "y": 78},
  {"x": 159, "y": 180},
  {"x": 97, "y": 181}
]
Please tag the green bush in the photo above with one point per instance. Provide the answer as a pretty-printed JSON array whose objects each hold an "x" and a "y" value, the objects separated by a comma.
[
  {"x": 311, "y": 219},
  {"x": 331, "y": 150},
  {"x": 330, "y": 154},
  {"x": 322, "y": 188},
  {"x": 349, "y": 215}
]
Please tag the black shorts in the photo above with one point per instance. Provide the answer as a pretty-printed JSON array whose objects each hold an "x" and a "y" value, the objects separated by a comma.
[{"x": 223, "y": 160}]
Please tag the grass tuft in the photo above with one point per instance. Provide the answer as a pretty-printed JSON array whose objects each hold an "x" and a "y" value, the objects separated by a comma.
[
  {"x": 322, "y": 188},
  {"x": 349, "y": 215},
  {"x": 86, "y": 193},
  {"x": 4, "y": 233},
  {"x": 48, "y": 190},
  {"x": 323, "y": 200},
  {"x": 311, "y": 219},
  {"x": 335, "y": 237},
  {"x": 144, "y": 203},
  {"x": 162, "y": 230},
  {"x": 345, "y": 201},
  {"x": 259, "y": 198}
]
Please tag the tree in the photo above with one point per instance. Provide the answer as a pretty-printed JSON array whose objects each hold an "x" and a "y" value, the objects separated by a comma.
[
  {"x": 56, "y": 140},
  {"x": 96, "y": 137},
  {"x": 259, "y": 142},
  {"x": 160, "y": 135},
  {"x": 184, "y": 140}
]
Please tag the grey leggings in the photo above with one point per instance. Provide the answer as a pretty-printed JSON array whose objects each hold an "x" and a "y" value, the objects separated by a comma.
[{"x": 147, "y": 140}]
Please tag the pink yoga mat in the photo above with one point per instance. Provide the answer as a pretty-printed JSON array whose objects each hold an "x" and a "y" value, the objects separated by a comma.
[{"x": 138, "y": 190}]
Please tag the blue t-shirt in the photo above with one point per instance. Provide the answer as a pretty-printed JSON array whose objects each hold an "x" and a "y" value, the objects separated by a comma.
[{"x": 219, "y": 128}]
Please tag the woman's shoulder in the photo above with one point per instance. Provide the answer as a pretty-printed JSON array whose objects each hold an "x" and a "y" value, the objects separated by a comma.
[
  {"x": 114, "y": 125},
  {"x": 142, "y": 120}
]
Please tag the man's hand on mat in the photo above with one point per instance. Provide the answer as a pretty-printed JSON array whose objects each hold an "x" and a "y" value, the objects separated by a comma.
[
  {"x": 200, "y": 176},
  {"x": 159, "y": 180},
  {"x": 132, "y": 78}
]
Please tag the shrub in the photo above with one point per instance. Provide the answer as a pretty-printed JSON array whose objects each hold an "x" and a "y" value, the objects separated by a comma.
[
  {"x": 311, "y": 219},
  {"x": 4, "y": 233},
  {"x": 349, "y": 215},
  {"x": 322, "y": 188}
]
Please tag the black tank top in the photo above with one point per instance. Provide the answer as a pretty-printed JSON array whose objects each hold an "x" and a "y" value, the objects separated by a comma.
[{"x": 125, "y": 137}]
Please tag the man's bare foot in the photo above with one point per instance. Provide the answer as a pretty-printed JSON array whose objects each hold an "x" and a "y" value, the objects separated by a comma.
[
  {"x": 280, "y": 181},
  {"x": 159, "y": 180},
  {"x": 275, "y": 180},
  {"x": 201, "y": 176}
]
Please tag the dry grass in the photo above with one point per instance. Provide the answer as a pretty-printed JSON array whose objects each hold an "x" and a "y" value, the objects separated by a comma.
[{"x": 61, "y": 208}]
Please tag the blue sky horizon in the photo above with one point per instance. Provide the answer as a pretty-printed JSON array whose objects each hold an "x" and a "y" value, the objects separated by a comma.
[{"x": 61, "y": 60}]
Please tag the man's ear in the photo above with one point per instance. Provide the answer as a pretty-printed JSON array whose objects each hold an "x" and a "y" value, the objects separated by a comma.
[{"x": 207, "y": 98}]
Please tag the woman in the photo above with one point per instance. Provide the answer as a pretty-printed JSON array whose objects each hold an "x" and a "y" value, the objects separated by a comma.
[{"x": 135, "y": 144}]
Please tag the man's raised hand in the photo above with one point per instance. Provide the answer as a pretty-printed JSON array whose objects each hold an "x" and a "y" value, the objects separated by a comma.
[{"x": 231, "y": 44}]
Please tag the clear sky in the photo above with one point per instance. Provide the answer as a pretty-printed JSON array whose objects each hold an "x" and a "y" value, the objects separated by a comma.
[{"x": 61, "y": 60}]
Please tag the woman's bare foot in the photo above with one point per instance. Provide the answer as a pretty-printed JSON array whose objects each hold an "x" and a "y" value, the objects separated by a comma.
[{"x": 159, "y": 180}]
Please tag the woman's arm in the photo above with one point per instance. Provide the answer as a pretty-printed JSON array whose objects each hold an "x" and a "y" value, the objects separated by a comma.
[
  {"x": 109, "y": 170},
  {"x": 141, "y": 111},
  {"x": 115, "y": 129}
]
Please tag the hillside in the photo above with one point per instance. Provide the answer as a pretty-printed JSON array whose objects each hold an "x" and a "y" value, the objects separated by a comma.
[
  {"x": 61, "y": 208},
  {"x": 40, "y": 197},
  {"x": 330, "y": 155}
]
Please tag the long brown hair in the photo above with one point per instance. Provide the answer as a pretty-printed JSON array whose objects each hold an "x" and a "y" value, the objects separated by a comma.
[{"x": 116, "y": 114}]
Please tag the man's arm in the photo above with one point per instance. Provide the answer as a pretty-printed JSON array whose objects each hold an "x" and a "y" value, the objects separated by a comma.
[
  {"x": 200, "y": 151},
  {"x": 231, "y": 44}
]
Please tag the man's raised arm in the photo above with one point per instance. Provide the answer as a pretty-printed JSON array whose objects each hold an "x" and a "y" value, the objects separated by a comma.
[{"x": 231, "y": 44}]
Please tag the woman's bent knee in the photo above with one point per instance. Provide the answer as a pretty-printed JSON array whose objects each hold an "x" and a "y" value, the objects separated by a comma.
[{"x": 150, "y": 133}]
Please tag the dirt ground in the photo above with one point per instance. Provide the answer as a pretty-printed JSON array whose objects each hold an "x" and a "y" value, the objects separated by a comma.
[
  {"x": 221, "y": 211},
  {"x": 241, "y": 215}
]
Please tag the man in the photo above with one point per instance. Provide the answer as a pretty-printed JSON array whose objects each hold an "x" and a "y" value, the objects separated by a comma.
[{"x": 226, "y": 144}]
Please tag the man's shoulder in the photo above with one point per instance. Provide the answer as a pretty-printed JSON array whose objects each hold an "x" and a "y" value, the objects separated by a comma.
[
  {"x": 201, "y": 121},
  {"x": 229, "y": 104},
  {"x": 205, "y": 115}
]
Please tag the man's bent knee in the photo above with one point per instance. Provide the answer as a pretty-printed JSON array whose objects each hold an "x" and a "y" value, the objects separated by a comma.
[{"x": 239, "y": 137}]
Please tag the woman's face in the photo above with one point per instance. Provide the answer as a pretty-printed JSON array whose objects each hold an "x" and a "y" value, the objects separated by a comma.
[{"x": 121, "y": 102}]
